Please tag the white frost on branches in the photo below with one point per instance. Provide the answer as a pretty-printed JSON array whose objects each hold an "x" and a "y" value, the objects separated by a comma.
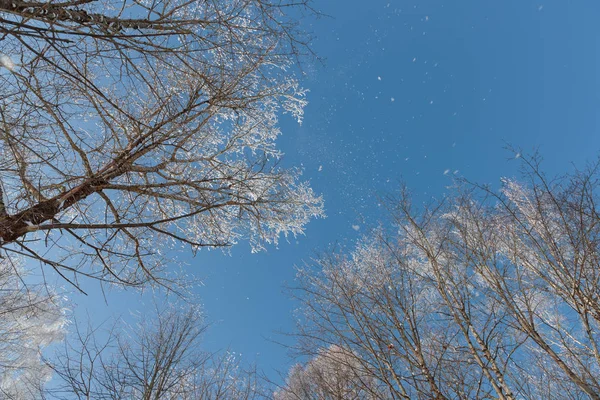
[
  {"x": 334, "y": 373},
  {"x": 30, "y": 320}
]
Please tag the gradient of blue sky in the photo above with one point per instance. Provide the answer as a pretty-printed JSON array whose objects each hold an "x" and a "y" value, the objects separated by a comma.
[{"x": 408, "y": 90}]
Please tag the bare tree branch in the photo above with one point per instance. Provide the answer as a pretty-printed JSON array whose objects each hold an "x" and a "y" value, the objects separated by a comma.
[{"x": 137, "y": 126}]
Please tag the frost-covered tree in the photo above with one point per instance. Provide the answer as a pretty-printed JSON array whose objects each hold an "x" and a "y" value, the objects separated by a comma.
[
  {"x": 30, "y": 320},
  {"x": 131, "y": 127},
  {"x": 333, "y": 374},
  {"x": 159, "y": 357},
  {"x": 486, "y": 294}
]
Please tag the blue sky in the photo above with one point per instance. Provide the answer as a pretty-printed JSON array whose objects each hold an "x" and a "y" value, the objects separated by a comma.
[{"x": 411, "y": 91}]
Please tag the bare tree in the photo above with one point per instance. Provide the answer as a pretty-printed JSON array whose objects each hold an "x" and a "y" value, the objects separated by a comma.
[
  {"x": 333, "y": 374},
  {"x": 131, "y": 127},
  {"x": 485, "y": 294},
  {"x": 158, "y": 358},
  {"x": 30, "y": 319}
]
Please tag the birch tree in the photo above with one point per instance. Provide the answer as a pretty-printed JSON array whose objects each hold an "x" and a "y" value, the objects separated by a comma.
[
  {"x": 484, "y": 294},
  {"x": 132, "y": 127}
]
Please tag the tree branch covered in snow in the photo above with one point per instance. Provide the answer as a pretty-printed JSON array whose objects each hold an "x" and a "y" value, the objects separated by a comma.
[
  {"x": 128, "y": 128},
  {"x": 30, "y": 320},
  {"x": 486, "y": 294},
  {"x": 334, "y": 373}
]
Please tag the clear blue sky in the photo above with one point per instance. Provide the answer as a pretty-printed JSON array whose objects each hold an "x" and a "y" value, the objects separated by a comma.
[{"x": 408, "y": 91}]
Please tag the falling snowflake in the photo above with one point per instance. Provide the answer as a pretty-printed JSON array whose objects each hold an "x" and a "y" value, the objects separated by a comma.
[{"x": 7, "y": 62}]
